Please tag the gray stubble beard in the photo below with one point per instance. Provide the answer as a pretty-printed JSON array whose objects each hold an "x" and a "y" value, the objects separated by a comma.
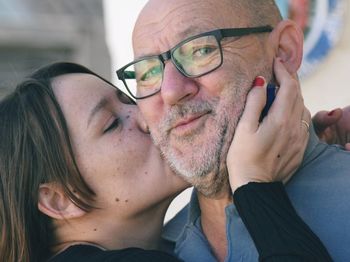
[{"x": 206, "y": 170}]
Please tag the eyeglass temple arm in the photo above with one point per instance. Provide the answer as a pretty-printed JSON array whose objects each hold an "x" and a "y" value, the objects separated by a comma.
[{"x": 245, "y": 31}]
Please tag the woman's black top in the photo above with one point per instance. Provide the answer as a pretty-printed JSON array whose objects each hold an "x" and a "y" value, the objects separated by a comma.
[
  {"x": 86, "y": 253},
  {"x": 276, "y": 229}
]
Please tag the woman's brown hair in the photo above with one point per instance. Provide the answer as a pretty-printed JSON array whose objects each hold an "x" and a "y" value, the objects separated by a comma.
[{"x": 35, "y": 148}]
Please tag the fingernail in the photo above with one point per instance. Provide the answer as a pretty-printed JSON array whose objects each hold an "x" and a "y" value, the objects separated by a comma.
[
  {"x": 259, "y": 81},
  {"x": 331, "y": 113}
]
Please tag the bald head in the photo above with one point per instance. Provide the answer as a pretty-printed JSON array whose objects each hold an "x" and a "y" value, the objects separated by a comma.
[
  {"x": 160, "y": 16},
  {"x": 260, "y": 12}
]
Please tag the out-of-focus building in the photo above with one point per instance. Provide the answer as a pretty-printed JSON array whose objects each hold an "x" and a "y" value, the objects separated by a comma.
[{"x": 36, "y": 32}]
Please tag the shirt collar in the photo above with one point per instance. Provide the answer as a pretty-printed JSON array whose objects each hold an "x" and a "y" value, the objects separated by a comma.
[{"x": 186, "y": 216}]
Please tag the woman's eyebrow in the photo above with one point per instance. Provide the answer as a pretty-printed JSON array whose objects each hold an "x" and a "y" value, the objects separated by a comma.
[{"x": 100, "y": 105}]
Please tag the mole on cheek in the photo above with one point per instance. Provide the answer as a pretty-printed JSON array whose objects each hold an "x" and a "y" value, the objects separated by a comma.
[{"x": 117, "y": 199}]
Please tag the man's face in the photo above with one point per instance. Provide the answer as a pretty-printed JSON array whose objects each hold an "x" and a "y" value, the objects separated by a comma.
[{"x": 192, "y": 120}]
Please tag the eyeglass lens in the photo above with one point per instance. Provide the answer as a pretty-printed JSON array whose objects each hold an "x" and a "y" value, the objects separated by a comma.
[{"x": 193, "y": 58}]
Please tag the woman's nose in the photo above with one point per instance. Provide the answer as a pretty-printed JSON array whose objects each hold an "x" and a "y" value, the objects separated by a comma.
[{"x": 140, "y": 122}]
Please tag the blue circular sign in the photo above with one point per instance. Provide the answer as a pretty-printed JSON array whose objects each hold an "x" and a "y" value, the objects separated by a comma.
[{"x": 322, "y": 22}]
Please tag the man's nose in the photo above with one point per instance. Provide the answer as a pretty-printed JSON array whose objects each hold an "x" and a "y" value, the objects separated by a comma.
[{"x": 176, "y": 87}]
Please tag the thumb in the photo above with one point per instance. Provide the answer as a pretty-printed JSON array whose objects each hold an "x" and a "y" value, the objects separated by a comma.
[
  {"x": 324, "y": 119},
  {"x": 347, "y": 146},
  {"x": 256, "y": 100}
]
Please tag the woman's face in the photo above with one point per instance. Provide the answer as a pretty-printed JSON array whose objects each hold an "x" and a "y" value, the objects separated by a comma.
[{"x": 115, "y": 155}]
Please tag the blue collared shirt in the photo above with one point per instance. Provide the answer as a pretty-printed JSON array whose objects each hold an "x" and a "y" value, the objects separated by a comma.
[{"x": 319, "y": 191}]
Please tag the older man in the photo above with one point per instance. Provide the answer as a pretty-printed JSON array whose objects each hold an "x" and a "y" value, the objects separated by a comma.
[{"x": 193, "y": 104}]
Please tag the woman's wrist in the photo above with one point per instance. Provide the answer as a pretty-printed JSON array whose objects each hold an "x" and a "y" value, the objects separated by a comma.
[{"x": 241, "y": 178}]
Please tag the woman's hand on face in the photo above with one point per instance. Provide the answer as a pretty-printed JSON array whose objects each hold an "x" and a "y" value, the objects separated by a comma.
[
  {"x": 273, "y": 149},
  {"x": 333, "y": 127}
]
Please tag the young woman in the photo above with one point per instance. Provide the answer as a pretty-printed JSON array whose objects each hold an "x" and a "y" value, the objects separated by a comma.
[{"x": 80, "y": 177}]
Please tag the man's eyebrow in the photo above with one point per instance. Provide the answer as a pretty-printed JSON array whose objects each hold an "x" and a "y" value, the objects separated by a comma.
[
  {"x": 190, "y": 31},
  {"x": 101, "y": 104}
]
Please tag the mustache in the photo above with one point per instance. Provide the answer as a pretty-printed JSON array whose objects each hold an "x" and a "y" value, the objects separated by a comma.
[{"x": 177, "y": 112}]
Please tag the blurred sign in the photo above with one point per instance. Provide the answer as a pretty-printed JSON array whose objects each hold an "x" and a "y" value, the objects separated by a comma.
[{"x": 322, "y": 22}]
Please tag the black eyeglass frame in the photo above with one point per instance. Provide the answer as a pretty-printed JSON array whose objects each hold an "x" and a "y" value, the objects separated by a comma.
[{"x": 219, "y": 34}]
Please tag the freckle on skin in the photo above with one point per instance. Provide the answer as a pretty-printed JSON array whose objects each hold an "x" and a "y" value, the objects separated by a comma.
[
  {"x": 127, "y": 117},
  {"x": 95, "y": 229},
  {"x": 130, "y": 129},
  {"x": 117, "y": 200},
  {"x": 126, "y": 201},
  {"x": 146, "y": 173}
]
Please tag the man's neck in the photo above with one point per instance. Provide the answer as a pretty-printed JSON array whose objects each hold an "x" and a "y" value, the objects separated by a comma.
[{"x": 213, "y": 221}]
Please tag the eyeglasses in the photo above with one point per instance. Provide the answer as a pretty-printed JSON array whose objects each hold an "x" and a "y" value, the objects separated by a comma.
[{"x": 194, "y": 57}]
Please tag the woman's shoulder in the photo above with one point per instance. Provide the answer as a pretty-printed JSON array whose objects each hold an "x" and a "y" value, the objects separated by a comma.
[{"x": 88, "y": 253}]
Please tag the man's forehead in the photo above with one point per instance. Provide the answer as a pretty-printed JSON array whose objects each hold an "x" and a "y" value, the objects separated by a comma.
[
  {"x": 151, "y": 45},
  {"x": 157, "y": 30}
]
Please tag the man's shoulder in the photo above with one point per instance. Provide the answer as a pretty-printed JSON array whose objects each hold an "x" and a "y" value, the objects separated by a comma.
[
  {"x": 328, "y": 168},
  {"x": 319, "y": 191},
  {"x": 327, "y": 159}
]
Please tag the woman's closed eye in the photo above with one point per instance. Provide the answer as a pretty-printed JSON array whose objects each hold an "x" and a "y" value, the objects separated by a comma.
[{"x": 112, "y": 126}]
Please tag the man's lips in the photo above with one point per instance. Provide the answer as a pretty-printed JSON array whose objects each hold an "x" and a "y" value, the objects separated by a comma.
[{"x": 188, "y": 123}]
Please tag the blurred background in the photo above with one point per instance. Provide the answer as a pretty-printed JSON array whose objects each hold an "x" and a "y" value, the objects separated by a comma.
[
  {"x": 97, "y": 34},
  {"x": 36, "y": 32}
]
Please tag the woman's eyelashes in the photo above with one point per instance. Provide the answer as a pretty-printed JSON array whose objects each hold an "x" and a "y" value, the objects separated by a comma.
[{"x": 112, "y": 126}]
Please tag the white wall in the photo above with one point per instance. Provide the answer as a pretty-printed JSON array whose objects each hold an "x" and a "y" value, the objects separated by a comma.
[
  {"x": 120, "y": 17},
  {"x": 326, "y": 88}
]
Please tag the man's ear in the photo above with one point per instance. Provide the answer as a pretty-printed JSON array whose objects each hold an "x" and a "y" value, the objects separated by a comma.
[
  {"x": 288, "y": 40},
  {"x": 55, "y": 203}
]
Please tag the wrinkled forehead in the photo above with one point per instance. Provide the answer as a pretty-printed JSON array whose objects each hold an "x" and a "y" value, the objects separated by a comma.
[{"x": 162, "y": 24}]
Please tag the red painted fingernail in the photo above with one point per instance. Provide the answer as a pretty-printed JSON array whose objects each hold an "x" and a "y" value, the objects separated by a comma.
[
  {"x": 331, "y": 113},
  {"x": 259, "y": 81}
]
